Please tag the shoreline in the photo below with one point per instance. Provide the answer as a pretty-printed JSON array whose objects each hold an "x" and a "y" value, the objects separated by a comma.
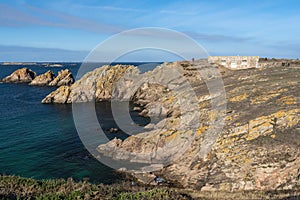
[{"x": 246, "y": 91}]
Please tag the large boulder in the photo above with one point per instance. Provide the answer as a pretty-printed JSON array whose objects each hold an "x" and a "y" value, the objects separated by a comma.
[
  {"x": 23, "y": 75},
  {"x": 43, "y": 79},
  {"x": 64, "y": 77}
]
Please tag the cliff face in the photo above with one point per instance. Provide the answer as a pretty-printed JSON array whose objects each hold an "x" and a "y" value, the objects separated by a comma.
[{"x": 257, "y": 148}]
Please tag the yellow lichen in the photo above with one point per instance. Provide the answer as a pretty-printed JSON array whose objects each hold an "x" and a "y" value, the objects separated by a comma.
[
  {"x": 239, "y": 98},
  {"x": 264, "y": 126},
  {"x": 228, "y": 118},
  {"x": 204, "y": 104},
  {"x": 287, "y": 100},
  {"x": 265, "y": 97},
  {"x": 214, "y": 114},
  {"x": 169, "y": 99},
  {"x": 279, "y": 114},
  {"x": 201, "y": 130},
  {"x": 273, "y": 136}
]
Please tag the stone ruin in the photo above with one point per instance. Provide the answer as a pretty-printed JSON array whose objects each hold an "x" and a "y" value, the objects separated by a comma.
[{"x": 235, "y": 62}]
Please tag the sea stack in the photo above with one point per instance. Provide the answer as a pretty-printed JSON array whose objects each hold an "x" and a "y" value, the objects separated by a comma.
[
  {"x": 23, "y": 75},
  {"x": 43, "y": 79}
]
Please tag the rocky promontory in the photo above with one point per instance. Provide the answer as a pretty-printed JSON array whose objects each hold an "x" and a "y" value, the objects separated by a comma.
[
  {"x": 96, "y": 85},
  {"x": 253, "y": 132}
]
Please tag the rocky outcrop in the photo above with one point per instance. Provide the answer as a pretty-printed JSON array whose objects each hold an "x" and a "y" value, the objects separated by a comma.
[
  {"x": 251, "y": 152},
  {"x": 23, "y": 75},
  {"x": 257, "y": 147},
  {"x": 64, "y": 77},
  {"x": 43, "y": 79},
  {"x": 97, "y": 84},
  {"x": 60, "y": 95}
]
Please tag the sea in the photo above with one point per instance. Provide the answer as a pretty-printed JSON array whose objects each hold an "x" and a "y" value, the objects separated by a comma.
[{"x": 40, "y": 140}]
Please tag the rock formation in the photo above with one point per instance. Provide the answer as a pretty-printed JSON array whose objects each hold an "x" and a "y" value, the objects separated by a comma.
[
  {"x": 60, "y": 95},
  {"x": 64, "y": 77},
  {"x": 257, "y": 148},
  {"x": 43, "y": 79},
  {"x": 96, "y": 84},
  {"x": 23, "y": 75}
]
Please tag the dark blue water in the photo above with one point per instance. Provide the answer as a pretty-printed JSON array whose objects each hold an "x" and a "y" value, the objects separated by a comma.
[{"x": 40, "y": 141}]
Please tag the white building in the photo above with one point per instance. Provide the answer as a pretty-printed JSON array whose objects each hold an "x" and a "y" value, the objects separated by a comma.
[{"x": 235, "y": 62}]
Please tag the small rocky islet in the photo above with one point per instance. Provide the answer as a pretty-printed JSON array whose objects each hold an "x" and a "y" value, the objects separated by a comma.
[
  {"x": 25, "y": 75},
  {"x": 258, "y": 148}
]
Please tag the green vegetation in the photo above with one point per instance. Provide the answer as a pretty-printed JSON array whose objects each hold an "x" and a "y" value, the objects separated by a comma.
[{"x": 14, "y": 187}]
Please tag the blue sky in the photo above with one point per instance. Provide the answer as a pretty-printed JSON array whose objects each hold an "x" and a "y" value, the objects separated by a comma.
[{"x": 67, "y": 30}]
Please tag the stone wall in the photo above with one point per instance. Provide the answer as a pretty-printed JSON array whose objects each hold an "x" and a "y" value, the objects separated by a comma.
[{"x": 235, "y": 62}]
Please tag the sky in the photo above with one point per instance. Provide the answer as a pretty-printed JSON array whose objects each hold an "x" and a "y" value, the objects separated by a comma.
[{"x": 68, "y": 30}]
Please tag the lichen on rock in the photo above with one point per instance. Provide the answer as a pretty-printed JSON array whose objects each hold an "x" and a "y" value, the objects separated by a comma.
[
  {"x": 257, "y": 149},
  {"x": 23, "y": 75},
  {"x": 64, "y": 77},
  {"x": 43, "y": 79},
  {"x": 60, "y": 95},
  {"x": 95, "y": 85}
]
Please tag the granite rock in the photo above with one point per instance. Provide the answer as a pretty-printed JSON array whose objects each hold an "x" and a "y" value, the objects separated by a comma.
[
  {"x": 64, "y": 77},
  {"x": 43, "y": 79},
  {"x": 23, "y": 75}
]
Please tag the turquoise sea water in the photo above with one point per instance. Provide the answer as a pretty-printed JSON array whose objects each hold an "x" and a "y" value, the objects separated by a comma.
[{"x": 40, "y": 141}]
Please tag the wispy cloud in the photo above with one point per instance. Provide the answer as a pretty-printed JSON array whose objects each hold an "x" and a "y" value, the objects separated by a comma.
[
  {"x": 23, "y": 54},
  {"x": 244, "y": 26},
  {"x": 113, "y": 8},
  {"x": 175, "y": 12},
  {"x": 69, "y": 21},
  {"x": 217, "y": 38},
  {"x": 13, "y": 17}
]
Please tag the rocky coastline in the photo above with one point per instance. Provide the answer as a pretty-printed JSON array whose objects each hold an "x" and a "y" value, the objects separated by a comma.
[{"x": 257, "y": 148}]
